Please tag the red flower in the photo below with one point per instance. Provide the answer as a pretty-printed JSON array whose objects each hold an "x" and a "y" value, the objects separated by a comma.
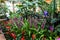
[
  {"x": 13, "y": 35},
  {"x": 23, "y": 38},
  {"x": 33, "y": 36},
  {"x": 6, "y": 22},
  {"x": 8, "y": 27}
]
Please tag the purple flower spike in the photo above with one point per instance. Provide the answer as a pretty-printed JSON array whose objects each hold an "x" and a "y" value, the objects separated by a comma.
[
  {"x": 15, "y": 19},
  {"x": 42, "y": 26},
  {"x": 21, "y": 18},
  {"x": 51, "y": 28},
  {"x": 45, "y": 13}
]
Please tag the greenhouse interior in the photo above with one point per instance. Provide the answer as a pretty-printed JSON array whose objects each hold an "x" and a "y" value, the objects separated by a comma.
[{"x": 29, "y": 19}]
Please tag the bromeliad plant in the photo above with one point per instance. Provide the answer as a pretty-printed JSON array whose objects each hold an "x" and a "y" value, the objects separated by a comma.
[
  {"x": 26, "y": 23},
  {"x": 24, "y": 31}
]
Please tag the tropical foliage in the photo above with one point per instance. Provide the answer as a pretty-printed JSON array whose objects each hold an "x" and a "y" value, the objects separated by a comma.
[{"x": 34, "y": 20}]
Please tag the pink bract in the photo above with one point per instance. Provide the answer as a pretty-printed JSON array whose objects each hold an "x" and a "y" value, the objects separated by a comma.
[{"x": 58, "y": 39}]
